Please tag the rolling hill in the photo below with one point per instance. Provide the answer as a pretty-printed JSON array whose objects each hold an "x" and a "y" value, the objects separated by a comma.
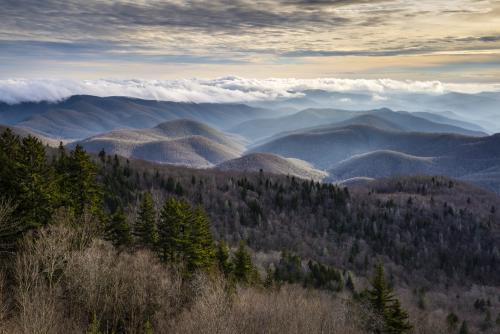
[
  {"x": 182, "y": 142},
  {"x": 382, "y": 164},
  {"x": 261, "y": 128},
  {"x": 272, "y": 164},
  {"x": 327, "y": 146},
  {"x": 23, "y": 132},
  {"x": 83, "y": 116},
  {"x": 444, "y": 119},
  {"x": 411, "y": 122},
  {"x": 362, "y": 151},
  {"x": 384, "y": 119}
]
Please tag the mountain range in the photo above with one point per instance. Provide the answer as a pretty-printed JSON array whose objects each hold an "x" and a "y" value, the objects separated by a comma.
[
  {"x": 82, "y": 116},
  {"x": 259, "y": 129},
  {"x": 330, "y": 144}
]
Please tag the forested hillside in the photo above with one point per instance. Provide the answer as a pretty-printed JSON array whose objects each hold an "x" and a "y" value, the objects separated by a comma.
[{"x": 101, "y": 244}]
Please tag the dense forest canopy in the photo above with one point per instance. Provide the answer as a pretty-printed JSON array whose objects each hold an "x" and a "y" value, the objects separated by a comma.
[{"x": 234, "y": 236}]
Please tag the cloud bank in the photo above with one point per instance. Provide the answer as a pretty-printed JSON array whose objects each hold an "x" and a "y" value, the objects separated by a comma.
[
  {"x": 220, "y": 90},
  {"x": 303, "y": 38}
]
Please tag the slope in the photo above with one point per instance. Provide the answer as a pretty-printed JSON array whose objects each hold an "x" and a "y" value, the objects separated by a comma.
[
  {"x": 273, "y": 164},
  {"x": 381, "y": 164},
  {"x": 325, "y": 147},
  {"x": 384, "y": 118},
  {"x": 83, "y": 116},
  {"x": 184, "y": 142}
]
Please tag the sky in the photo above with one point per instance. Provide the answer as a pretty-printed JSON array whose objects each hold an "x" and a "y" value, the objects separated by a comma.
[{"x": 440, "y": 40}]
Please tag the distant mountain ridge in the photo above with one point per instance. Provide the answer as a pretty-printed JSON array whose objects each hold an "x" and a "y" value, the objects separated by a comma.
[
  {"x": 331, "y": 144},
  {"x": 82, "y": 116},
  {"x": 384, "y": 119},
  {"x": 360, "y": 151}
]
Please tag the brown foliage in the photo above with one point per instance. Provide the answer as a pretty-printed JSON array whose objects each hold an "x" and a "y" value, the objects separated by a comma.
[
  {"x": 290, "y": 309},
  {"x": 60, "y": 287}
]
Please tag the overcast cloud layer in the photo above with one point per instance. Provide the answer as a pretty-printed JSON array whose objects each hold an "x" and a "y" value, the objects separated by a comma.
[
  {"x": 451, "y": 40},
  {"x": 226, "y": 89}
]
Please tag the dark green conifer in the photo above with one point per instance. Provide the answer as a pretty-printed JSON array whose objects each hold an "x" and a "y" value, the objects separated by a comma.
[
  {"x": 185, "y": 236},
  {"x": 145, "y": 226},
  {"x": 80, "y": 183},
  {"x": 386, "y": 306},
  {"x": 118, "y": 229},
  {"x": 243, "y": 266},
  {"x": 200, "y": 250},
  {"x": 397, "y": 320},
  {"x": 223, "y": 259},
  {"x": 37, "y": 192},
  {"x": 172, "y": 228}
]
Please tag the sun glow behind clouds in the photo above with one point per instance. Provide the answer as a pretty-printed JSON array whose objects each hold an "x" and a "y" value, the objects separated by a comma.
[
  {"x": 220, "y": 90},
  {"x": 448, "y": 40}
]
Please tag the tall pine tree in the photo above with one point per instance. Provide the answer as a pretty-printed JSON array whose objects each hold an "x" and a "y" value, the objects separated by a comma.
[
  {"x": 145, "y": 229},
  {"x": 184, "y": 236},
  {"x": 386, "y": 306},
  {"x": 118, "y": 230},
  {"x": 244, "y": 271},
  {"x": 223, "y": 259},
  {"x": 200, "y": 249},
  {"x": 172, "y": 228},
  {"x": 80, "y": 183},
  {"x": 27, "y": 178}
]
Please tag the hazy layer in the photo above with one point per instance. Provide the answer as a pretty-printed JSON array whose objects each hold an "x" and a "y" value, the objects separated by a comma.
[{"x": 224, "y": 89}]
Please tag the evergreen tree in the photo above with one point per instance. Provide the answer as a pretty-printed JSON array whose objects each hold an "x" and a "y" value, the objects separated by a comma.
[
  {"x": 80, "y": 183},
  {"x": 171, "y": 230},
  {"x": 10, "y": 148},
  {"x": 28, "y": 182},
  {"x": 200, "y": 250},
  {"x": 223, "y": 259},
  {"x": 386, "y": 306},
  {"x": 397, "y": 322},
  {"x": 27, "y": 178},
  {"x": 243, "y": 266},
  {"x": 145, "y": 227},
  {"x": 36, "y": 193},
  {"x": 380, "y": 296},
  {"x": 323, "y": 277},
  {"x": 118, "y": 229},
  {"x": 289, "y": 269},
  {"x": 185, "y": 236}
]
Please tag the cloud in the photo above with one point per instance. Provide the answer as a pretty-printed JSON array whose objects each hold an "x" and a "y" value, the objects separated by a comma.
[
  {"x": 201, "y": 29},
  {"x": 220, "y": 90}
]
